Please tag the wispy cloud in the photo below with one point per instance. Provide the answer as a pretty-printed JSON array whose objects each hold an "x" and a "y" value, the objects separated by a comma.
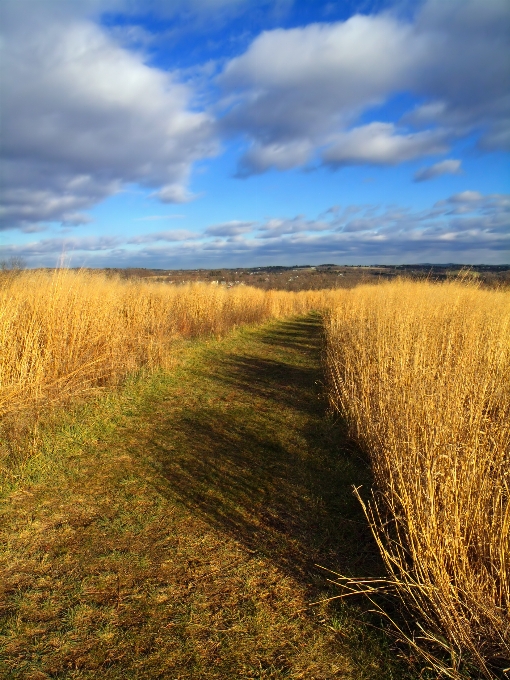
[
  {"x": 467, "y": 226},
  {"x": 277, "y": 227},
  {"x": 172, "y": 235},
  {"x": 447, "y": 167},
  {"x": 233, "y": 228}
]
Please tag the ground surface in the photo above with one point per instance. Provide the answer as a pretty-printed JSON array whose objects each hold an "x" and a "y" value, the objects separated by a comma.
[{"x": 173, "y": 530}]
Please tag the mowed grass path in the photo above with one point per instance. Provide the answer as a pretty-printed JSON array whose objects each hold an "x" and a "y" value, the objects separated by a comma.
[{"x": 173, "y": 530}]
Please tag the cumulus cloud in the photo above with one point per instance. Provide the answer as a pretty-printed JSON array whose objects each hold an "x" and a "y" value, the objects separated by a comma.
[
  {"x": 298, "y": 91},
  {"x": 82, "y": 116},
  {"x": 293, "y": 88},
  {"x": 447, "y": 167}
]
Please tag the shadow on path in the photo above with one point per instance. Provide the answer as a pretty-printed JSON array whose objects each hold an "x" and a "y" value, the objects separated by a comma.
[{"x": 248, "y": 444}]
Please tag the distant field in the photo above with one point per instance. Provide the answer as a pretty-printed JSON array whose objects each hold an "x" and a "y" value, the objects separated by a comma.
[
  {"x": 418, "y": 371},
  {"x": 329, "y": 276}
]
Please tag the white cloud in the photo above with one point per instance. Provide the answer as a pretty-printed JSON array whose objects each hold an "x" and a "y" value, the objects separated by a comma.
[
  {"x": 334, "y": 62},
  {"x": 381, "y": 144},
  {"x": 465, "y": 197},
  {"x": 81, "y": 116},
  {"x": 233, "y": 228},
  {"x": 446, "y": 167},
  {"x": 174, "y": 193},
  {"x": 281, "y": 156},
  {"x": 293, "y": 88},
  {"x": 298, "y": 91}
]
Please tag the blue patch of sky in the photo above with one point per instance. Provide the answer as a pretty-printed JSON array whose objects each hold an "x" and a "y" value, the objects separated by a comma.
[
  {"x": 392, "y": 109},
  {"x": 185, "y": 40},
  {"x": 274, "y": 194}
]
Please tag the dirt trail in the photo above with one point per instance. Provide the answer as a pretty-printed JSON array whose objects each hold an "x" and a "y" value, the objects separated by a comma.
[{"x": 179, "y": 538}]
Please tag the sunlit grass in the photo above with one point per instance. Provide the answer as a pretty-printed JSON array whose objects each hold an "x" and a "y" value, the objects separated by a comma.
[
  {"x": 422, "y": 374},
  {"x": 420, "y": 371},
  {"x": 64, "y": 332}
]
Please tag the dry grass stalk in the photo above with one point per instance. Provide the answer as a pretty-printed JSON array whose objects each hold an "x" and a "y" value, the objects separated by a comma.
[
  {"x": 422, "y": 374},
  {"x": 66, "y": 332}
]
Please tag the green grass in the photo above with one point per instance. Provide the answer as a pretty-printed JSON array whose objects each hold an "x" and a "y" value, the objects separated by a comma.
[{"x": 173, "y": 529}]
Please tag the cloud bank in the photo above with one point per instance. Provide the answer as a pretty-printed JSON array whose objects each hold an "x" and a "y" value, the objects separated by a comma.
[{"x": 468, "y": 227}]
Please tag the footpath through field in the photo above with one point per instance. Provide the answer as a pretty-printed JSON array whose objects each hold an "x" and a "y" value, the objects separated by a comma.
[{"x": 173, "y": 531}]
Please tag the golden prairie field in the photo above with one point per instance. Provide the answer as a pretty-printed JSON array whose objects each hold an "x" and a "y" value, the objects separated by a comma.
[
  {"x": 64, "y": 332},
  {"x": 422, "y": 374}
]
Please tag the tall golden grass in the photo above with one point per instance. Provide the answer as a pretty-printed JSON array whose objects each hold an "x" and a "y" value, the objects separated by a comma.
[
  {"x": 64, "y": 332},
  {"x": 421, "y": 372}
]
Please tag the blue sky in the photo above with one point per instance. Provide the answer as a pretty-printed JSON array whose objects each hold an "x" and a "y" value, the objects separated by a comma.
[{"x": 208, "y": 133}]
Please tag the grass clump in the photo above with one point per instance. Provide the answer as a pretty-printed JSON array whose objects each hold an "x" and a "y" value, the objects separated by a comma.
[{"x": 422, "y": 374}]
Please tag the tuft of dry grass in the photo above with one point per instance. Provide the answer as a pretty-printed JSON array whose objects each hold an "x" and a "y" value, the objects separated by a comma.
[
  {"x": 64, "y": 332},
  {"x": 422, "y": 374}
]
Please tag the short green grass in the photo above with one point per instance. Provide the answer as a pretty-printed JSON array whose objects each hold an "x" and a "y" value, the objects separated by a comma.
[{"x": 173, "y": 529}]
